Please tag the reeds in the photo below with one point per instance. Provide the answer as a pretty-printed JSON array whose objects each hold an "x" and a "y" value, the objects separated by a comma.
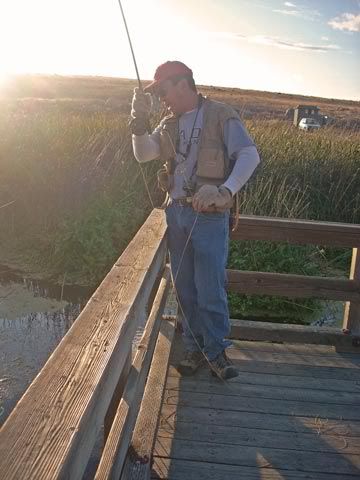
[{"x": 72, "y": 179}]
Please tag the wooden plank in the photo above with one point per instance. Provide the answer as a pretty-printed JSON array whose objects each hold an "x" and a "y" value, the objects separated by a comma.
[
  {"x": 295, "y": 348},
  {"x": 292, "y": 286},
  {"x": 174, "y": 469},
  {"x": 284, "y": 332},
  {"x": 308, "y": 350},
  {"x": 261, "y": 405},
  {"x": 300, "y": 394},
  {"x": 172, "y": 414},
  {"x": 326, "y": 374},
  {"x": 352, "y": 362},
  {"x": 352, "y": 309},
  {"x": 119, "y": 389},
  {"x": 114, "y": 453},
  {"x": 137, "y": 465},
  {"x": 285, "y": 459},
  {"x": 297, "y": 231},
  {"x": 52, "y": 430},
  {"x": 261, "y": 438},
  {"x": 272, "y": 377}
]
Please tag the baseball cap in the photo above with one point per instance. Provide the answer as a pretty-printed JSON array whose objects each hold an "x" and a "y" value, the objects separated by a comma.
[{"x": 167, "y": 70}]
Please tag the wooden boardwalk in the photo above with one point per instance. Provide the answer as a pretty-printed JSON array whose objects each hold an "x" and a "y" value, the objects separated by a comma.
[{"x": 292, "y": 414}]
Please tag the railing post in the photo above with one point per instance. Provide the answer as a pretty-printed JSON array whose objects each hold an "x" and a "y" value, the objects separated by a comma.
[{"x": 352, "y": 309}]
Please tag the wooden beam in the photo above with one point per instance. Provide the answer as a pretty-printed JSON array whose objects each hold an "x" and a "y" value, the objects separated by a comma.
[
  {"x": 352, "y": 308},
  {"x": 278, "y": 332},
  {"x": 115, "y": 450},
  {"x": 118, "y": 392},
  {"x": 286, "y": 285},
  {"x": 53, "y": 428},
  {"x": 297, "y": 231},
  {"x": 139, "y": 459}
]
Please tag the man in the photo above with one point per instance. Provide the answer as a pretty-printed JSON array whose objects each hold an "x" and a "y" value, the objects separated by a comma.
[{"x": 208, "y": 157}]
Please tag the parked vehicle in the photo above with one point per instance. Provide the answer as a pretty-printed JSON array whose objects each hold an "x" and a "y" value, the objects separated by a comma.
[
  {"x": 309, "y": 124},
  {"x": 295, "y": 114}
]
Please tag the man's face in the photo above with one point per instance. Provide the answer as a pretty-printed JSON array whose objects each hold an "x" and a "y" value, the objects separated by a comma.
[{"x": 172, "y": 95}]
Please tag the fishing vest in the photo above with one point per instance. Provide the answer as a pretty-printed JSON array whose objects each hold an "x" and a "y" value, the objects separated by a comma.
[{"x": 213, "y": 164}]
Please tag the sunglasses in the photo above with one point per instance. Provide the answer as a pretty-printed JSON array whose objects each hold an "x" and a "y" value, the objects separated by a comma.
[{"x": 161, "y": 91}]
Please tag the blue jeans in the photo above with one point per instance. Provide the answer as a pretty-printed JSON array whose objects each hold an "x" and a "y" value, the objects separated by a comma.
[{"x": 199, "y": 274}]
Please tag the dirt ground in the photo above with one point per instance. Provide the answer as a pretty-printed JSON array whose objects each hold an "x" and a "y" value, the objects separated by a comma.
[{"x": 91, "y": 94}]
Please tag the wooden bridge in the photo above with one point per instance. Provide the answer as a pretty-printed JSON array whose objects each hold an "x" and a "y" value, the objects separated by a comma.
[{"x": 293, "y": 413}]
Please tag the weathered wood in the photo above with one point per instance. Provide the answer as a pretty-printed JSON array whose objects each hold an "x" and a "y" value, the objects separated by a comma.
[
  {"x": 264, "y": 374},
  {"x": 265, "y": 422},
  {"x": 171, "y": 414},
  {"x": 174, "y": 469},
  {"x": 270, "y": 346},
  {"x": 284, "y": 332},
  {"x": 297, "y": 231},
  {"x": 262, "y": 438},
  {"x": 262, "y": 405},
  {"x": 263, "y": 391},
  {"x": 52, "y": 430},
  {"x": 117, "y": 444},
  {"x": 289, "y": 359},
  {"x": 110, "y": 414},
  {"x": 352, "y": 308},
  {"x": 255, "y": 457},
  {"x": 296, "y": 348},
  {"x": 305, "y": 371},
  {"x": 138, "y": 461},
  {"x": 293, "y": 286},
  {"x": 341, "y": 361}
]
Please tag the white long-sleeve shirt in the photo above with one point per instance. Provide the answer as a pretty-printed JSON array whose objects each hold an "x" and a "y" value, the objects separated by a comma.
[{"x": 240, "y": 149}]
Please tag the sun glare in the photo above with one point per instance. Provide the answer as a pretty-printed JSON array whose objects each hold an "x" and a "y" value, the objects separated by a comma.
[{"x": 4, "y": 79}]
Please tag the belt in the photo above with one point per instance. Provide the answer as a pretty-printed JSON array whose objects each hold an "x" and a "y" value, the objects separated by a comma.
[
  {"x": 187, "y": 202},
  {"x": 182, "y": 202}
]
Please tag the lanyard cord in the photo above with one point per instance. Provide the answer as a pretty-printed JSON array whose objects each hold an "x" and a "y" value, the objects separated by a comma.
[
  {"x": 188, "y": 187},
  {"x": 189, "y": 144}
]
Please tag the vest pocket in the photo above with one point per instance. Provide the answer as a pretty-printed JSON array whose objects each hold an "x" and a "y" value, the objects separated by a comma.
[{"x": 211, "y": 163}]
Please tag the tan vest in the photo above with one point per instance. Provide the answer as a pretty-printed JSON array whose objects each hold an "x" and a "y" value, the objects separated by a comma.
[{"x": 213, "y": 166}]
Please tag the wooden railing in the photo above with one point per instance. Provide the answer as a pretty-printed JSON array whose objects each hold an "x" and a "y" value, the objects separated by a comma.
[
  {"x": 52, "y": 430},
  {"x": 300, "y": 232},
  {"x": 91, "y": 379}
]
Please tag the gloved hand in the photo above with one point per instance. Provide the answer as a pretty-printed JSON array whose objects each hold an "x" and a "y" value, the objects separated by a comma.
[
  {"x": 141, "y": 104},
  {"x": 211, "y": 196}
]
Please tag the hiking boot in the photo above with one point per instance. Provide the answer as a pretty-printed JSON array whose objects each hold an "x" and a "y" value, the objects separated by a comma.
[
  {"x": 191, "y": 362},
  {"x": 222, "y": 367}
]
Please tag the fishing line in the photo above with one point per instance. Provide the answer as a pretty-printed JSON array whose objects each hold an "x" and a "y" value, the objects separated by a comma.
[
  {"x": 142, "y": 90},
  {"x": 153, "y": 206},
  {"x": 173, "y": 279}
]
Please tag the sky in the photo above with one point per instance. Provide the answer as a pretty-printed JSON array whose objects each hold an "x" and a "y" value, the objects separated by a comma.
[{"x": 309, "y": 47}]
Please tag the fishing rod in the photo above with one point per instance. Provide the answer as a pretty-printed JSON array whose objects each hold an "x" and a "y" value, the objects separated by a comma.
[
  {"x": 174, "y": 277},
  {"x": 142, "y": 90},
  {"x": 131, "y": 47}
]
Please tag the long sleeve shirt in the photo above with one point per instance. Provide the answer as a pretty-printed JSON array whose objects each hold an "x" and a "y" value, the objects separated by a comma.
[{"x": 240, "y": 149}]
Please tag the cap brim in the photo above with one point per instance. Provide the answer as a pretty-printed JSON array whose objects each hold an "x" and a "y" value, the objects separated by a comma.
[{"x": 150, "y": 88}]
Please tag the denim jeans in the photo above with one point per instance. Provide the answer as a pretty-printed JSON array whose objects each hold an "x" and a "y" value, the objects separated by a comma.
[{"x": 199, "y": 274}]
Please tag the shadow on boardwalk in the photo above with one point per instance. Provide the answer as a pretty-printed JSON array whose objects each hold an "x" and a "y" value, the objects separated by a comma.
[{"x": 292, "y": 414}]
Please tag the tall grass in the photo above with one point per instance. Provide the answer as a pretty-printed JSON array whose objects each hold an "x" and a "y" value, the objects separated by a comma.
[
  {"x": 305, "y": 175},
  {"x": 79, "y": 196}
]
